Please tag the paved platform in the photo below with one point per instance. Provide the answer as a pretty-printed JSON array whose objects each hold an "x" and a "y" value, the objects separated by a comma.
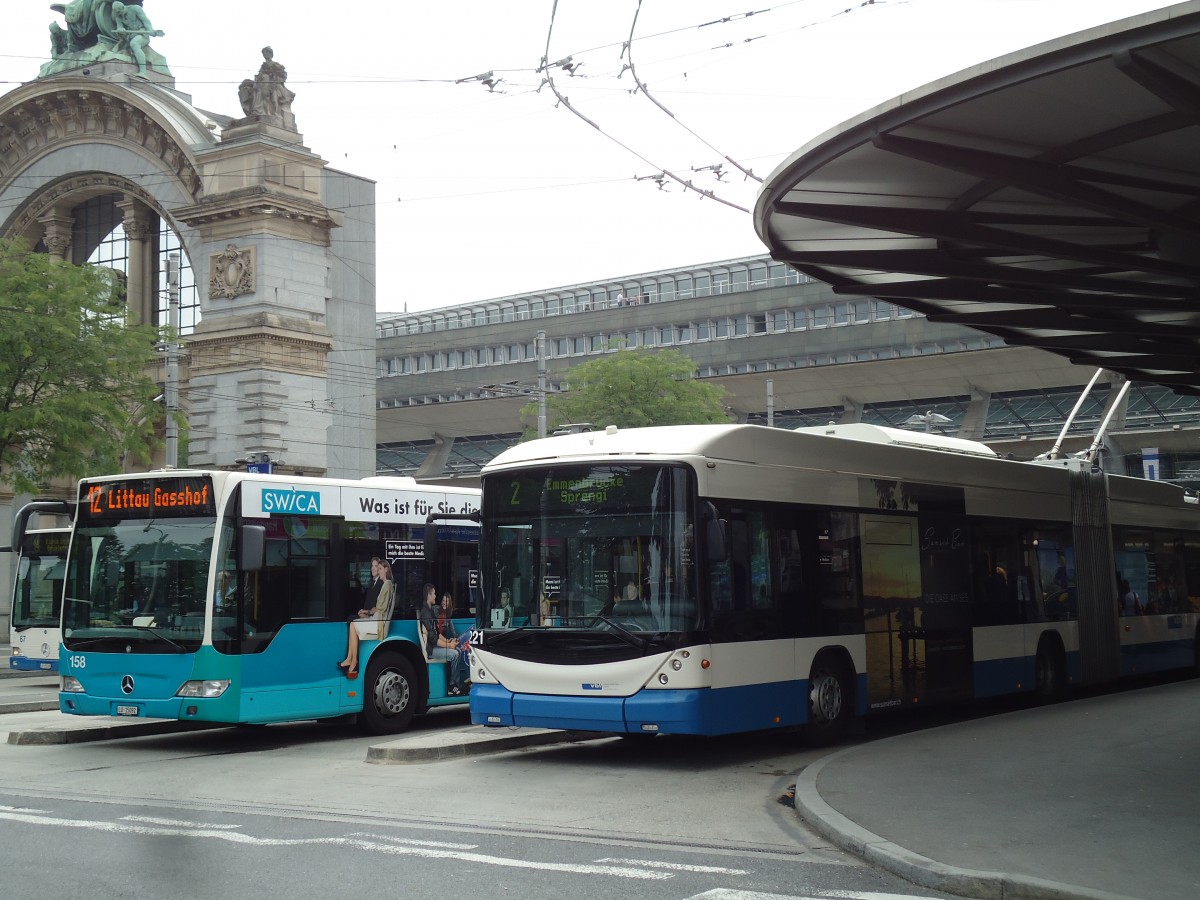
[{"x": 1095, "y": 798}]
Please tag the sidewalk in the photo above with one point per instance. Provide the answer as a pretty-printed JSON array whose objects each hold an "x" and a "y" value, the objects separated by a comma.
[{"x": 1095, "y": 798}]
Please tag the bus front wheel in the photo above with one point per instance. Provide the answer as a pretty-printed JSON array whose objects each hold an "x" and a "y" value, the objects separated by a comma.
[
  {"x": 389, "y": 694},
  {"x": 830, "y": 702}
]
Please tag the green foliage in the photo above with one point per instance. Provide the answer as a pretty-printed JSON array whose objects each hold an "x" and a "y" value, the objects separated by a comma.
[
  {"x": 75, "y": 395},
  {"x": 632, "y": 389}
]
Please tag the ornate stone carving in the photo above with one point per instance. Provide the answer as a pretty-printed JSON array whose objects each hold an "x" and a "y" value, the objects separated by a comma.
[
  {"x": 93, "y": 116},
  {"x": 137, "y": 220},
  {"x": 231, "y": 273},
  {"x": 57, "y": 244}
]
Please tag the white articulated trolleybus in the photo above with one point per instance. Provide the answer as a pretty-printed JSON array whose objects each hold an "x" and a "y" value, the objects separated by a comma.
[{"x": 711, "y": 579}]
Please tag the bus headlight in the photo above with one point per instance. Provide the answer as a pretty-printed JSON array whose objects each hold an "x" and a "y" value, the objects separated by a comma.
[
  {"x": 677, "y": 664},
  {"x": 205, "y": 689},
  {"x": 71, "y": 685}
]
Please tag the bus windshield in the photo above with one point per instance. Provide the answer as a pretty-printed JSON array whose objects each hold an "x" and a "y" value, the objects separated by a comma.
[
  {"x": 593, "y": 547},
  {"x": 138, "y": 582},
  {"x": 40, "y": 580}
]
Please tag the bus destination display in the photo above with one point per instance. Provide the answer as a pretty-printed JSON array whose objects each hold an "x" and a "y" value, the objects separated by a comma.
[
  {"x": 50, "y": 543},
  {"x": 582, "y": 490},
  {"x": 146, "y": 498}
]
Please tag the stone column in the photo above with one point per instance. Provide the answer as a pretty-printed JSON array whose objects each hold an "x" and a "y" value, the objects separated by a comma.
[
  {"x": 140, "y": 292},
  {"x": 57, "y": 235}
]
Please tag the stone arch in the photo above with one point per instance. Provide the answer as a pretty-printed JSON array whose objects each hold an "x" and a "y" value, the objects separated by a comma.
[
  {"x": 67, "y": 141},
  {"x": 45, "y": 117}
]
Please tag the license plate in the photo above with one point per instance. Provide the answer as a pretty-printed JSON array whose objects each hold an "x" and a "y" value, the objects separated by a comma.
[{"x": 127, "y": 710}]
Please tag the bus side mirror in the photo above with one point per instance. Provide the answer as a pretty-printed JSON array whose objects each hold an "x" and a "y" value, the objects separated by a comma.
[
  {"x": 252, "y": 547},
  {"x": 431, "y": 540}
]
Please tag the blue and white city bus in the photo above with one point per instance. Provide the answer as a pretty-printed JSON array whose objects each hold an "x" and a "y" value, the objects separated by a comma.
[
  {"x": 224, "y": 597},
  {"x": 712, "y": 579},
  {"x": 40, "y": 561}
]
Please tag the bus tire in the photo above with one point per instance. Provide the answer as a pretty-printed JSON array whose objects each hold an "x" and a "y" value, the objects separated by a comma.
[
  {"x": 1050, "y": 670},
  {"x": 830, "y": 701},
  {"x": 390, "y": 694}
]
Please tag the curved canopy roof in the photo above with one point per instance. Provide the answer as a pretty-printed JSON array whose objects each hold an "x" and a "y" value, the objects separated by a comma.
[{"x": 1049, "y": 197}]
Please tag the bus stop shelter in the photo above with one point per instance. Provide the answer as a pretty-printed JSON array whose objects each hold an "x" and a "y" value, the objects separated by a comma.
[{"x": 1050, "y": 197}]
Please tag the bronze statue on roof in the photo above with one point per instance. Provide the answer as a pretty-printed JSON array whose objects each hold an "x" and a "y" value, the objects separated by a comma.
[{"x": 103, "y": 31}]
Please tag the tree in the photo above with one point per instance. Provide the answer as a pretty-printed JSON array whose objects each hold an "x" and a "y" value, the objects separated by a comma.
[
  {"x": 75, "y": 394},
  {"x": 632, "y": 389}
]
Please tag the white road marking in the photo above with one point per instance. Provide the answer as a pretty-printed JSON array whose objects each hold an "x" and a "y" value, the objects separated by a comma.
[
  {"x": 21, "y": 809},
  {"x": 410, "y": 842},
  {"x": 356, "y": 843},
  {"x": 726, "y": 894},
  {"x": 675, "y": 867},
  {"x": 176, "y": 823}
]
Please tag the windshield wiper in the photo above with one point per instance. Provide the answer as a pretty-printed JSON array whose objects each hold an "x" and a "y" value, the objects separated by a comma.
[
  {"x": 90, "y": 642},
  {"x": 624, "y": 634},
  {"x": 504, "y": 636},
  {"x": 121, "y": 635},
  {"x": 162, "y": 637}
]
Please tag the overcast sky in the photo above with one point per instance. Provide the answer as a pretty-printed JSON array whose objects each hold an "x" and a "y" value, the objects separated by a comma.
[{"x": 484, "y": 193}]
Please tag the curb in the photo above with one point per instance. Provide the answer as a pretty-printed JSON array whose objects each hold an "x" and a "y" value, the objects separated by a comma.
[
  {"x": 28, "y": 706},
  {"x": 913, "y": 867},
  {"x": 54, "y": 735},
  {"x": 467, "y": 744},
  {"x": 21, "y": 673}
]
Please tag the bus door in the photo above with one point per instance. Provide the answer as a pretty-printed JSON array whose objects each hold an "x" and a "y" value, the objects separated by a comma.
[{"x": 916, "y": 598}]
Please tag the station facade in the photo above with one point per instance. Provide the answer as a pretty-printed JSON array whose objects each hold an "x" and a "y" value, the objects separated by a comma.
[{"x": 787, "y": 350}]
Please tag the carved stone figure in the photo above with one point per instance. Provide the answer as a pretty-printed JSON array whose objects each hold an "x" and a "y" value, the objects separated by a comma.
[{"x": 267, "y": 97}]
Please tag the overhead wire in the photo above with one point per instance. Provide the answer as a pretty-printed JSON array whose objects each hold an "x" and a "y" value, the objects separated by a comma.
[
  {"x": 547, "y": 69},
  {"x": 627, "y": 51}
]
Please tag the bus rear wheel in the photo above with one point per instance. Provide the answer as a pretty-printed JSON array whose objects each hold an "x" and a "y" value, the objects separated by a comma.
[
  {"x": 1050, "y": 672},
  {"x": 829, "y": 702},
  {"x": 390, "y": 695}
]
